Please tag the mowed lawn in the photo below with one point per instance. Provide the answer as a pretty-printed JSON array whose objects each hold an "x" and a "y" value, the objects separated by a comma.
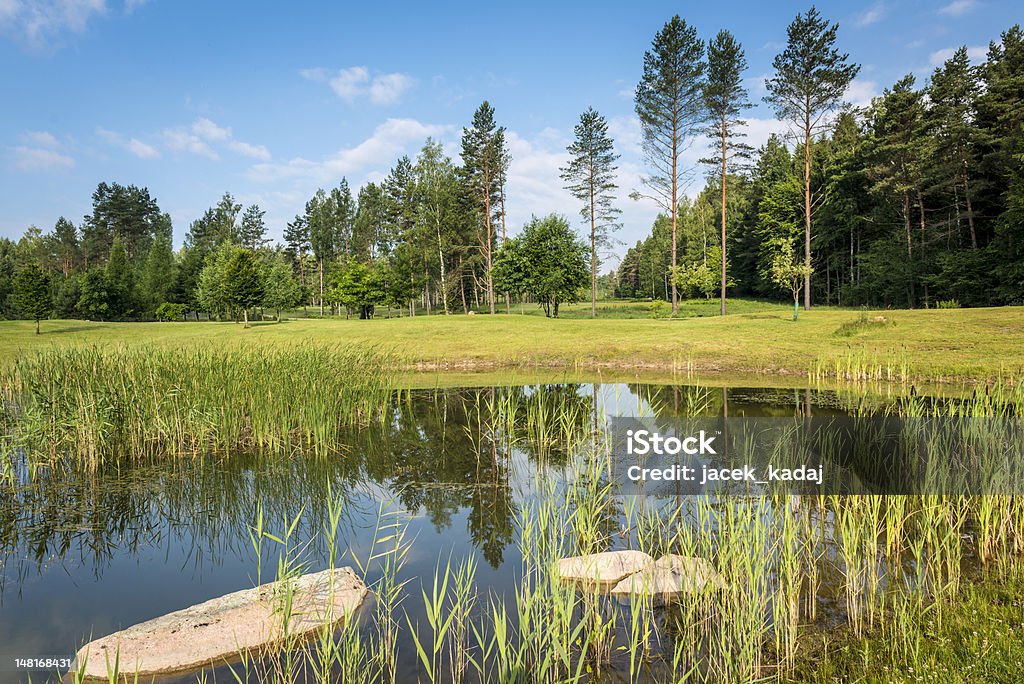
[{"x": 936, "y": 345}]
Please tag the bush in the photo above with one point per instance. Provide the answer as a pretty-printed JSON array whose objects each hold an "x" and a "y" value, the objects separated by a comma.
[
  {"x": 947, "y": 304},
  {"x": 169, "y": 311},
  {"x": 659, "y": 308}
]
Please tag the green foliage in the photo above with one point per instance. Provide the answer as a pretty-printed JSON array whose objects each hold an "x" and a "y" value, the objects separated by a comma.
[
  {"x": 169, "y": 311},
  {"x": 211, "y": 292},
  {"x": 120, "y": 282},
  {"x": 357, "y": 287},
  {"x": 94, "y": 302},
  {"x": 947, "y": 304},
  {"x": 158, "y": 272},
  {"x": 243, "y": 281},
  {"x": 32, "y": 293},
  {"x": 548, "y": 261},
  {"x": 281, "y": 289},
  {"x": 789, "y": 273}
]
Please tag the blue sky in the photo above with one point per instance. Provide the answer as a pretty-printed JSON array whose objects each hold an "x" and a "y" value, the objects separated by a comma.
[{"x": 271, "y": 100}]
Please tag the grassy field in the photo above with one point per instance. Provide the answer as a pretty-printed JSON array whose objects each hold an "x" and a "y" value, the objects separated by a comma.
[{"x": 920, "y": 345}]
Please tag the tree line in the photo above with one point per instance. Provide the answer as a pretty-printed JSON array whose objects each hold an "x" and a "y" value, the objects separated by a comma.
[{"x": 915, "y": 200}]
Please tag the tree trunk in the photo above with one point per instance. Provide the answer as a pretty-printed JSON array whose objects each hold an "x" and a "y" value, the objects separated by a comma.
[
  {"x": 321, "y": 288},
  {"x": 807, "y": 207},
  {"x": 675, "y": 210},
  {"x": 970, "y": 210},
  {"x": 921, "y": 247},
  {"x": 245, "y": 316},
  {"x": 910, "y": 249},
  {"x": 723, "y": 212},
  {"x": 37, "y": 326},
  {"x": 593, "y": 246}
]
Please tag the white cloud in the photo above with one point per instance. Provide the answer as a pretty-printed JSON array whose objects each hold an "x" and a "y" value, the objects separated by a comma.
[
  {"x": 389, "y": 140},
  {"x": 958, "y": 8},
  {"x": 203, "y": 135},
  {"x": 976, "y": 53},
  {"x": 39, "y": 22},
  {"x": 871, "y": 15},
  {"x": 356, "y": 82},
  {"x": 39, "y": 138},
  {"x": 205, "y": 128},
  {"x": 860, "y": 92},
  {"x": 39, "y": 159},
  {"x": 180, "y": 140},
  {"x": 133, "y": 145},
  {"x": 249, "y": 150},
  {"x": 388, "y": 88}
]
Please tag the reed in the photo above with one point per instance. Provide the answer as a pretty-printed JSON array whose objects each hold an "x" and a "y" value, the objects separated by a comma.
[{"x": 97, "y": 405}]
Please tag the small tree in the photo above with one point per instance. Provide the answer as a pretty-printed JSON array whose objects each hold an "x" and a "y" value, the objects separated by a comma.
[
  {"x": 556, "y": 262},
  {"x": 511, "y": 269},
  {"x": 243, "y": 282},
  {"x": 32, "y": 293},
  {"x": 281, "y": 290},
  {"x": 788, "y": 272},
  {"x": 94, "y": 301}
]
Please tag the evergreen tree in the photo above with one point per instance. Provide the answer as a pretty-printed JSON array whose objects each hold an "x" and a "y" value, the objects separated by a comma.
[
  {"x": 725, "y": 98},
  {"x": 590, "y": 175},
  {"x": 157, "y": 277},
  {"x": 281, "y": 290},
  {"x": 120, "y": 282},
  {"x": 32, "y": 293},
  {"x": 484, "y": 161},
  {"x": 253, "y": 230},
  {"x": 810, "y": 79},
  {"x": 669, "y": 103}
]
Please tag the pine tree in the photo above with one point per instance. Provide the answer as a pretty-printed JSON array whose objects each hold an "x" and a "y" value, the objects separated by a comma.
[
  {"x": 590, "y": 175},
  {"x": 725, "y": 98},
  {"x": 485, "y": 160},
  {"x": 252, "y": 232},
  {"x": 810, "y": 79},
  {"x": 32, "y": 293},
  {"x": 669, "y": 103}
]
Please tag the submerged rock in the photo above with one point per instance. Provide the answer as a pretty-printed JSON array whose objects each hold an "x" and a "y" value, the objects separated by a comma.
[
  {"x": 602, "y": 570},
  {"x": 220, "y": 629},
  {"x": 669, "y": 578}
]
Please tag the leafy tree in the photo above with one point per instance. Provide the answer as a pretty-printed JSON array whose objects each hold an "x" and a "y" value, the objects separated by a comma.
[
  {"x": 127, "y": 213},
  {"x": 511, "y": 268},
  {"x": 66, "y": 246},
  {"x": 669, "y": 103},
  {"x": 357, "y": 287},
  {"x": 696, "y": 278},
  {"x": 170, "y": 312},
  {"x": 788, "y": 272},
  {"x": 368, "y": 228},
  {"x": 438, "y": 215},
  {"x": 810, "y": 79},
  {"x": 281, "y": 290},
  {"x": 725, "y": 98},
  {"x": 32, "y": 293},
  {"x": 96, "y": 295},
  {"x": 243, "y": 282},
  {"x": 555, "y": 260},
  {"x": 211, "y": 290},
  {"x": 590, "y": 175},
  {"x": 319, "y": 218}
]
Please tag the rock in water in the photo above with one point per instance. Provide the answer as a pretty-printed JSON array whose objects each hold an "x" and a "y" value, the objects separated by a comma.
[
  {"x": 219, "y": 630},
  {"x": 668, "y": 578},
  {"x": 602, "y": 570}
]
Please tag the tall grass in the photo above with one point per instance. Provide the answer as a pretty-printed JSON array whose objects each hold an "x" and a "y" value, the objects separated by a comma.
[{"x": 97, "y": 405}]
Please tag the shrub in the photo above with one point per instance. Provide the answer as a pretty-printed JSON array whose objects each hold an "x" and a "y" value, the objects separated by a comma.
[{"x": 169, "y": 311}]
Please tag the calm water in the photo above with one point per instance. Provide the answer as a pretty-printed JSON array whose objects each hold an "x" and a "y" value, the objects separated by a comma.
[{"x": 83, "y": 556}]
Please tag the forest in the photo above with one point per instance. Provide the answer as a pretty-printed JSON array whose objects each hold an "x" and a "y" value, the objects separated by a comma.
[{"x": 914, "y": 201}]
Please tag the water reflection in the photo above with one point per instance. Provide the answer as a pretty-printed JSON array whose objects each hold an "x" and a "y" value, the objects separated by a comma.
[{"x": 87, "y": 553}]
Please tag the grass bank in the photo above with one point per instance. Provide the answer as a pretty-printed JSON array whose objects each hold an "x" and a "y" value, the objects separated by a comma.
[{"x": 920, "y": 345}]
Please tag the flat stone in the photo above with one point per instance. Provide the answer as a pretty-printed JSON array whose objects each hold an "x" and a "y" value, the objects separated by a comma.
[
  {"x": 602, "y": 570},
  {"x": 219, "y": 630},
  {"x": 669, "y": 578}
]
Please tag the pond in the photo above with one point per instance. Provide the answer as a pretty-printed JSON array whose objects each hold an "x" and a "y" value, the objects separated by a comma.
[{"x": 86, "y": 553}]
